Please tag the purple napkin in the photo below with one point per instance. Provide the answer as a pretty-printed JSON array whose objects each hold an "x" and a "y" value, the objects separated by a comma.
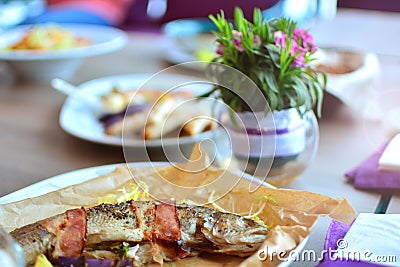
[
  {"x": 337, "y": 230},
  {"x": 366, "y": 176}
]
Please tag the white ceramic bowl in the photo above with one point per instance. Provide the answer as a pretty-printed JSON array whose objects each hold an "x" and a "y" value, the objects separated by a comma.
[
  {"x": 353, "y": 77},
  {"x": 44, "y": 65}
]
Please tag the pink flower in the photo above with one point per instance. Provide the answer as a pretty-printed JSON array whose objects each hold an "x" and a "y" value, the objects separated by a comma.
[
  {"x": 298, "y": 32},
  {"x": 280, "y": 39},
  {"x": 256, "y": 41},
  {"x": 298, "y": 61},
  {"x": 237, "y": 34},
  {"x": 236, "y": 41},
  {"x": 304, "y": 39},
  {"x": 220, "y": 50},
  {"x": 301, "y": 43},
  {"x": 238, "y": 44}
]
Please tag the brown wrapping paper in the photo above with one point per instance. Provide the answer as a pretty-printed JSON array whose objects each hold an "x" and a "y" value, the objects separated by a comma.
[{"x": 291, "y": 218}]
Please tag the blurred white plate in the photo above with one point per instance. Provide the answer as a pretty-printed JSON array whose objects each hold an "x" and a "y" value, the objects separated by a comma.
[
  {"x": 189, "y": 40},
  {"x": 104, "y": 40},
  {"x": 77, "y": 119},
  {"x": 176, "y": 53}
]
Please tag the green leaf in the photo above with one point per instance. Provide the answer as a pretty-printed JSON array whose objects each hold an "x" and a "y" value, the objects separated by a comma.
[
  {"x": 257, "y": 17},
  {"x": 239, "y": 18},
  {"x": 273, "y": 100},
  {"x": 320, "y": 95},
  {"x": 273, "y": 53},
  {"x": 271, "y": 82},
  {"x": 122, "y": 249}
]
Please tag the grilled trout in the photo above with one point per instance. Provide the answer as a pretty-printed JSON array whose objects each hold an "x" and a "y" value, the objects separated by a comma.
[{"x": 156, "y": 231}]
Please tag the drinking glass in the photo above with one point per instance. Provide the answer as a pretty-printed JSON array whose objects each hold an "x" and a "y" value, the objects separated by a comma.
[
  {"x": 304, "y": 12},
  {"x": 14, "y": 12},
  {"x": 11, "y": 254}
]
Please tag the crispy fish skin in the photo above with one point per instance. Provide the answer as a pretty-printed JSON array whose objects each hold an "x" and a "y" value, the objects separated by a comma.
[
  {"x": 164, "y": 231},
  {"x": 34, "y": 239},
  {"x": 208, "y": 230},
  {"x": 126, "y": 221},
  {"x": 60, "y": 235}
]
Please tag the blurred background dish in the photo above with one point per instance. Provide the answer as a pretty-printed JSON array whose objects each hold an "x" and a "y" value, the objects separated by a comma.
[
  {"x": 353, "y": 78},
  {"x": 12, "y": 13},
  {"x": 15, "y": 12},
  {"x": 189, "y": 40},
  {"x": 77, "y": 119},
  {"x": 337, "y": 61},
  {"x": 45, "y": 64}
]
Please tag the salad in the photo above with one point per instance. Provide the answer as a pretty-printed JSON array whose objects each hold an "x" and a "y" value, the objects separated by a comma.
[{"x": 49, "y": 37}]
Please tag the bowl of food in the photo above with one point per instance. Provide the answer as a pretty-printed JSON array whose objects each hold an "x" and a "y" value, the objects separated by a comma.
[
  {"x": 41, "y": 52},
  {"x": 353, "y": 77},
  {"x": 339, "y": 61}
]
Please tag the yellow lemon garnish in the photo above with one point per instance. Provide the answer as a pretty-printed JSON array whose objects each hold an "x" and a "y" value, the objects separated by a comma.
[
  {"x": 42, "y": 261},
  {"x": 138, "y": 191}
]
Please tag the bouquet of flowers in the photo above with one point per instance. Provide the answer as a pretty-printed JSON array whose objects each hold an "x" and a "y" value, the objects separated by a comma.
[{"x": 275, "y": 55}]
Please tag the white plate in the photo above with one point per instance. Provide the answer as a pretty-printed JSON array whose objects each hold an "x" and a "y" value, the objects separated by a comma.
[
  {"x": 83, "y": 175},
  {"x": 77, "y": 119},
  {"x": 104, "y": 40}
]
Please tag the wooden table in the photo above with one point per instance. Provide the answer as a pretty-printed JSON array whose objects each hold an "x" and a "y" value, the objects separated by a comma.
[{"x": 34, "y": 147}]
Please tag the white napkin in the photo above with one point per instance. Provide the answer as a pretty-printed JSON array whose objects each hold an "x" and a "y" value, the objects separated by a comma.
[
  {"x": 374, "y": 238},
  {"x": 390, "y": 159}
]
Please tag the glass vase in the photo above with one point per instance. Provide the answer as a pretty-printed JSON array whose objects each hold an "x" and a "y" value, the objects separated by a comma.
[{"x": 276, "y": 147}]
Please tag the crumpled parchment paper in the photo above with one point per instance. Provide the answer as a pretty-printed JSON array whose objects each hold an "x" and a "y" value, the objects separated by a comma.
[{"x": 290, "y": 219}]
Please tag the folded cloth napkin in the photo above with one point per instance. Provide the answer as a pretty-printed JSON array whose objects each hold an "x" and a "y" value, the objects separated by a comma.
[
  {"x": 390, "y": 159},
  {"x": 374, "y": 237},
  {"x": 368, "y": 176}
]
